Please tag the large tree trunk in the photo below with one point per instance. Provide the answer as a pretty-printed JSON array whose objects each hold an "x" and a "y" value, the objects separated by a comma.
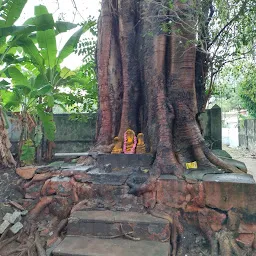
[
  {"x": 6, "y": 158},
  {"x": 147, "y": 81}
]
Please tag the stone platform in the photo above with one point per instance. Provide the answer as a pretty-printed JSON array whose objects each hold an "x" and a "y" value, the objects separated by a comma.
[{"x": 207, "y": 207}]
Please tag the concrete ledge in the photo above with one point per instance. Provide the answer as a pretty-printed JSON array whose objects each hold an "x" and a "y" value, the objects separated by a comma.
[{"x": 86, "y": 246}]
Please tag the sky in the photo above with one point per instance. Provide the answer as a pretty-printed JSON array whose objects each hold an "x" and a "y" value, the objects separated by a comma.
[{"x": 75, "y": 11}]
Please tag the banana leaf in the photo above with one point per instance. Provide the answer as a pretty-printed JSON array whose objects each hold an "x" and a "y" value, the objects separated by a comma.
[
  {"x": 72, "y": 42},
  {"x": 11, "y": 11}
]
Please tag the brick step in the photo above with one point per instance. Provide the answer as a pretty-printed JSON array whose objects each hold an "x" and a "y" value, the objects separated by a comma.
[
  {"x": 110, "y": 223},
  {"x": 88, "y": 246}
]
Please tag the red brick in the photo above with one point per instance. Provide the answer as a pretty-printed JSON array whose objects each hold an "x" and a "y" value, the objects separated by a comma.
[
  {"x": 245, "y": 240},
  {"x": 172, "y": 193},
  {"x": 247, "y": 227},
  {"x": 227, "y": 195},
  {"x": 212, "y": 219},
  {"x": 27, "y": 172}
]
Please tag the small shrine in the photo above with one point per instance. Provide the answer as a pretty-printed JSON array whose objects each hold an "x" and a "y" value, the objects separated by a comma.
[{"x": 130, "y": 143}]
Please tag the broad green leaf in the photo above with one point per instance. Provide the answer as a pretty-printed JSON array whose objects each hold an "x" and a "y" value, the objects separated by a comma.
[
  {"x": 40, "y": 10},
  {"x": 30, "y": 49},
  {"x": 47, "y": 43},
  {"x": 50, "y": 101},
  {"x": 44, "y": 90},
  {"x": 17, "y": 77},
  {"x": 65, "y": 73},
  {"x": 4, "y": 85},
  {"x": 63, "y": 26},
  {"x": 16, "y": 30},
  {"x": 48, "y": 122},
  {"x": 40, "y": 81},
  {"x": 69, "y": 47},
  {"x": 44, "y": 22},
  {"x": 11, "y": 100},
  {"x": 41, "y": 92},
  {"x": 60, "y": 26},
  {"x": 22, "y": 90},
  {"x": 11, "y": 12},
  {"x": 5, "y": 96}
]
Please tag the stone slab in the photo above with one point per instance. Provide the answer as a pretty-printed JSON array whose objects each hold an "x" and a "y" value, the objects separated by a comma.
[
  {"x": 65, "y": 155},
  {"x": 78, "y": 168},
  {"x": 6, "y": 224},
  {"x": 123, "y": 160},
  {"x": 16, "y": 227},
  {"x": 198, "y": 174},
  {"x": 111, "y": 216},
  {"x": 86, "y": 246},
  {"x": 230, "y": 177},
  {"x": 115, "y": 179},
  {"x": 108, "y": 223},
  {"x": 12, "y": 218}
]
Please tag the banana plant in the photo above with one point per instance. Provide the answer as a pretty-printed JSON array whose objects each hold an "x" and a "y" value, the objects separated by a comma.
[
  {"x": 42, "y": 88},
  {"x": 47, "y": 58},
  {"x": 26, "y": 93},
  {"x": 10, "y": 11}
]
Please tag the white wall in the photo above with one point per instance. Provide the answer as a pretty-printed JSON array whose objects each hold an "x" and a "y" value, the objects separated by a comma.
[{"x": 230, "y": 137}]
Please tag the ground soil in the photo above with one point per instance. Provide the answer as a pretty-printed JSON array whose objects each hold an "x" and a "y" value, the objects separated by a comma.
[
  {"x": 243, "y": 155},
  {"x": 9, "y": 190}
]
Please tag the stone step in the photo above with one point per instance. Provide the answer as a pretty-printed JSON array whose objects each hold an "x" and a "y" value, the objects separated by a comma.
[
  {"x": 110, "y": 223},
  {"x": 89, "y": 246}
]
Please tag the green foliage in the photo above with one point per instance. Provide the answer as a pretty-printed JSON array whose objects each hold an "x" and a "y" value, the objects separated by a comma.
[
  {"x": 10, "y": 11},
  {"x": 32, "y": 76},
  {"x": 225, "y": 93},
  {"x": 38, "y": 135},
  {"x": 247, "y": 90},
  {"x": 47, "y": 121},
  {"x": 28, "y": 152},
  {"x": 83, "y": 92},
  {"x": 73, "y": 40}
]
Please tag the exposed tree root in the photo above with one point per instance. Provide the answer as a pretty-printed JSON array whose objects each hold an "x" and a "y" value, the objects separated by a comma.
[
  {"x": 86, "y": 205},
  {"x": 7, "y": 241},
  {"x": 4, "y": 234},
  {"x": 128, "y": 235},
  {"x": 173, "y": 228},
  {"x": 148, "y": 186},
  {"x": 57, "y": 233},
  {"x": 40, "y": 206},
  {"x": 17, "y": 205},
  {"x": 228, "y": 245},
  {"x": 220, "y": 163},
  {"x": 39, "y": 246},
  {"x": 26, "y": 249}
]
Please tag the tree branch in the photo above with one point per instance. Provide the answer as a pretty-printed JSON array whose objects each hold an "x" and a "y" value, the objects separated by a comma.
[{"x": 228, "y": 24}]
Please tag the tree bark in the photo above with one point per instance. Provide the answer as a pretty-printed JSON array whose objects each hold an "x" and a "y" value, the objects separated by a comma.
[
  {"x": 6, "y": 158},
  {"x": 147, "y": 82}
]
